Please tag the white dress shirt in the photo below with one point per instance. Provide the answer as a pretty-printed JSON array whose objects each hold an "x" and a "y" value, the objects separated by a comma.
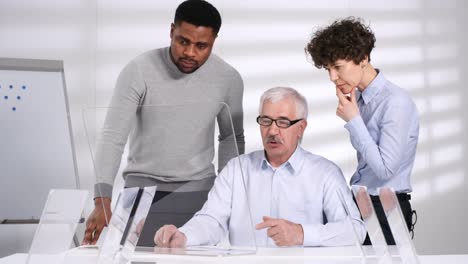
[{"x": 302, "y": 190}]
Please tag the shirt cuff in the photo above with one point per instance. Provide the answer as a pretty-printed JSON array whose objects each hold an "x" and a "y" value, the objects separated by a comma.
[
  {"x": 358, "y": 132},
  {"x": 311, "y": 235},
  {"x": 102, "y": 190},
  {"x": 354, "y": 125},
  {"x": 191, "y": 236}
]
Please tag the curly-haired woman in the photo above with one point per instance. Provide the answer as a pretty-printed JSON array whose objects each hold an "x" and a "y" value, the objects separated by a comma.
[{"x": 381, "y": 118}]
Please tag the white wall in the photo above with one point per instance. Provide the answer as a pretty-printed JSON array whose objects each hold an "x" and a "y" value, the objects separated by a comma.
[
  {"x": 420, "y": 46},
  {"x": 55, "y": 30}
]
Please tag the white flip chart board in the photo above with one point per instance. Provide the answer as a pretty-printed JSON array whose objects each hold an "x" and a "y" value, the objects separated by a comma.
[{"x": 36, "y": 143}]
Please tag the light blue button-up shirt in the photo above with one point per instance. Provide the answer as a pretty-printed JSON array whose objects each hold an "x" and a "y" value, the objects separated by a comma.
[
  {"x": 385, "y": 136},
  {"x": 302, "y": 190}
]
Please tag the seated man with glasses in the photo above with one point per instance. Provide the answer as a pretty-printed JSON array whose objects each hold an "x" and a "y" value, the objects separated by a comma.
[{"x": 293, "y": 197}]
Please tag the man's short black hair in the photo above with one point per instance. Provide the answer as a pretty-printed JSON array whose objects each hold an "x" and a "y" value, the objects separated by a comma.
[
  {"x": 198, "y": 13},
  {"x": 346, "y": 39}
]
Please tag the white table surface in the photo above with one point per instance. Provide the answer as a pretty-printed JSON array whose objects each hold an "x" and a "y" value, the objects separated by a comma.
[{"x": 330, "y": 255}]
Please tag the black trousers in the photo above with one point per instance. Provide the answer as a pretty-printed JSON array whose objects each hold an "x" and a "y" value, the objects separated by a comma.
[
  {"x": 174, "y": 208},
  {"x": 404, "y": 201}
]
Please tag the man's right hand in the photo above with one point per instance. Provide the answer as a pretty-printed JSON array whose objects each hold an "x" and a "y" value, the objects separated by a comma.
[
  {"x": 169, "y": 236},
  {"x": 97, "y": 220}
]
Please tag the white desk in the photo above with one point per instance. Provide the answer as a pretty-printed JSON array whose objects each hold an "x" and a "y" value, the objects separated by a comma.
[{"x": 264, "y": 256}]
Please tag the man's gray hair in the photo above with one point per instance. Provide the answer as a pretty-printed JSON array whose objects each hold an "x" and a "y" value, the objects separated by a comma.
[{"x": 279, "y": 93}]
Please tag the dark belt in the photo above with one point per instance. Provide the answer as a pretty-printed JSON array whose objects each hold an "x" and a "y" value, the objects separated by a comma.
[{"x": 400, "y": 196}]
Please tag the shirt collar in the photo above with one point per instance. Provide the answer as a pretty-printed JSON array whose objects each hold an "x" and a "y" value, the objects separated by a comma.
[
  {"x": 373, "y": 88},
  {"x": 292, "y": 164}
]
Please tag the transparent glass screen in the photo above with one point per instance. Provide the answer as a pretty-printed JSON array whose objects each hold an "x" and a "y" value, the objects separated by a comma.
[
  {"x": 57, "y": 226},
  {"x": 398, "y": 226},
  {"x": 372, "y": 224},
  {"x": 178, "y": 149}
]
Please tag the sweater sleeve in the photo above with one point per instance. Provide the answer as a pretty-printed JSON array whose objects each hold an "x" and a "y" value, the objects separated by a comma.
[
  {"x": 128, "y": 93},
  {"x": 232, "y": 110}
]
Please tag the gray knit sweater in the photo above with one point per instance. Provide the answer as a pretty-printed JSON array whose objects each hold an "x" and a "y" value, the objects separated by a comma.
[{"x": 169, "y": 119}]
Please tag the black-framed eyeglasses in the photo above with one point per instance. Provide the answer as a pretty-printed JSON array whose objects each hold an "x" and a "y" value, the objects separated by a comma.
[{"x": 282, "y": 122}]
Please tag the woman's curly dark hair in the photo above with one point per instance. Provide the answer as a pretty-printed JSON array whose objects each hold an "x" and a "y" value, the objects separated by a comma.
[{"x": 346, "y": 39}]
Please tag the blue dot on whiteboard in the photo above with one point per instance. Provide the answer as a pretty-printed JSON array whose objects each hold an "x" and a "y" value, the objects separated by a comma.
[
  {"x": 18, "y": 97},
  {"x": 13, "y": 108},
  {"x": 6, "y": 97},
  {"x": 24, "y": 87},
  {"x": 11, "y": 86}
]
